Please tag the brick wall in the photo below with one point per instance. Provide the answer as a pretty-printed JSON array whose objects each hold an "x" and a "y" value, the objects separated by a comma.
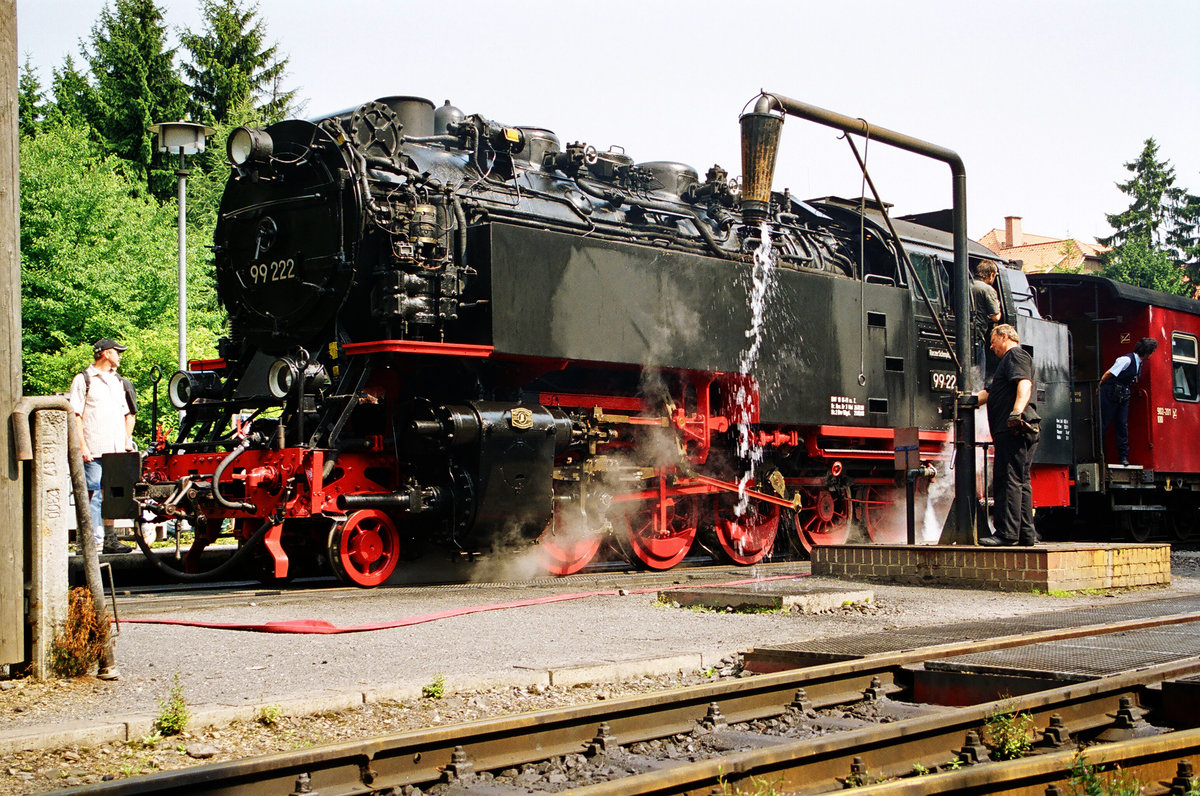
[{"x": 1055, "y": 567}]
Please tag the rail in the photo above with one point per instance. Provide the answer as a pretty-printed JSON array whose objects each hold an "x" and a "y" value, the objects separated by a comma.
[{"x": 431, "y": 755}]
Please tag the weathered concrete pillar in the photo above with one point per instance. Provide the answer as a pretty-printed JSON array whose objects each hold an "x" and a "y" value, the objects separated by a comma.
[{"x": 48, "y": 511}]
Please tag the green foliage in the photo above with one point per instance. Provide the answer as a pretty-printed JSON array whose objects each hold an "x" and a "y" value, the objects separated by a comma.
[
  {"x": 1151, "y": 190},
  {"x": 1088, "y": 780},
  {"x": 99, "y": 259},
  {"x": 752, "y": 787},
  {"x": 173, "y": 712},
  {"x": 436, "y": 689},
  {"x": 268, "y": 715},
  {"x": 1136, "y": 262},
  {"x": 1009, "y": 734},
  {"x": 136, "y": 85},
  {"x": 31, "y": 107},
  {"x": 73, "y": 96},
  {"x": 231, "y": 68},
  {"x": 1156, "y": 240}
]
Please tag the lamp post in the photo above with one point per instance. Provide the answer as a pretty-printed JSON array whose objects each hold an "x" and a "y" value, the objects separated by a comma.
[{"x": 186, "y": 138}]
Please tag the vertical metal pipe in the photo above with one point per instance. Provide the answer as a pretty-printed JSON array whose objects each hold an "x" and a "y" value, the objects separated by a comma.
[
  {"x": 966, "y": 498},
  {"x": 182, "y": 175},
  {"x": 966, "y": 504}
]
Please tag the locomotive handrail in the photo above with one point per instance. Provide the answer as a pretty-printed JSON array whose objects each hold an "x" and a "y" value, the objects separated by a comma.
[{"x": 965, "y": 488}]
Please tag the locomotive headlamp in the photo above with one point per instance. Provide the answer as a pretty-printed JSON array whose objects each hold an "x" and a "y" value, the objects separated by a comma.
[
  {"x": 282, "y": 377},
  {"x": 187, "y": 386},
  {"x": 247, "y": 145}
]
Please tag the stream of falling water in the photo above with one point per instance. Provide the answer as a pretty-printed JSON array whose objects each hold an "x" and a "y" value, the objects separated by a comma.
[{"x": 762, "y": 279}]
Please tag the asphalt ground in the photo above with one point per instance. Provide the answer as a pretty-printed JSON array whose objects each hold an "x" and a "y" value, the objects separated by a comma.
[{"x": 601, "y": 635}]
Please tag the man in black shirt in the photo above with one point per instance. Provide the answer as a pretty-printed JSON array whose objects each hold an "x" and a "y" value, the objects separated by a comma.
[{"x": 1012, "y": 418}]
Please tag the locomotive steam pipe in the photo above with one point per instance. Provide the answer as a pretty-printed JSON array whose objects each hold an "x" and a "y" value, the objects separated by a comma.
[
  {"x": 216, "y": 490},
  {"x": 757, "y": 149},
  {"x": 415, "y": 500}
]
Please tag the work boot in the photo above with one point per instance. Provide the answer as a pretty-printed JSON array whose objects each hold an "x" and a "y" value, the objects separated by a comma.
[{"x": 111, "y": 545}]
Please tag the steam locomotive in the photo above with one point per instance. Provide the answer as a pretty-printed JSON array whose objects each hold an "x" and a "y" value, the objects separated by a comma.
[{"x": 446, "y": 331}]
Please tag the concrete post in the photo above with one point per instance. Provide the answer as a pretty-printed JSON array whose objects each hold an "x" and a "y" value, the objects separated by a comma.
[{"x": 49, "y": 510}]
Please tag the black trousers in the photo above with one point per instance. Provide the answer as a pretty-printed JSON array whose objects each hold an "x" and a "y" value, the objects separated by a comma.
[
  {"x": 1012, "y": 490},
  {"x": 1114, "y": 411}
]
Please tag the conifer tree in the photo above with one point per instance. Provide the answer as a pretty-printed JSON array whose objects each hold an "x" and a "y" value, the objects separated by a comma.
[
  {"x": 1152, "y": 193},
  {"x": 31, "y": 107},
  {"x": 73, "y": 95},
  {"x": 136, "y": 84},
  {"x": 1152, "y": 237},
  {"x": 231, "y": 67},
  {"x": 1183, "y": 241}
]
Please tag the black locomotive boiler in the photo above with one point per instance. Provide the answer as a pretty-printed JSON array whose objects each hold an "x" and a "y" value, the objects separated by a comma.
[{"x": 446, "y": 331}]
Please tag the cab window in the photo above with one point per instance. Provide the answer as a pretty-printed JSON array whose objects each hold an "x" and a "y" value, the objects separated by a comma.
[
  {"x": 1185, "y": 367},
  {"x": 928, "y": 271}
]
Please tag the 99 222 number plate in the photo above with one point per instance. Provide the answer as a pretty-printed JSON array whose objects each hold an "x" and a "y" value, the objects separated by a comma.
[
  {"x": 274, "y": 271},
  {"x": 943, "y": 381}
]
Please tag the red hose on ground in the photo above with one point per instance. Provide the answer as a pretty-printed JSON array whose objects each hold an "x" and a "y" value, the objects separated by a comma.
[{"x": 321, "y": 627}]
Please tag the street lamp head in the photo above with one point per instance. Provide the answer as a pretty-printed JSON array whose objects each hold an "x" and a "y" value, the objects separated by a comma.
[{"x": 186, "y": 138}]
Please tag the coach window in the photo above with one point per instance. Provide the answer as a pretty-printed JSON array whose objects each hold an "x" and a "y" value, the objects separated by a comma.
[{"x": 1185, "y": 367}]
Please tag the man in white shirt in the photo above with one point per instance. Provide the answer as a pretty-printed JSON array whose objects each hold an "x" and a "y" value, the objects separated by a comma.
[
  {"x": 105, "y": 416},
  {"x": 1116, "y": 388}
]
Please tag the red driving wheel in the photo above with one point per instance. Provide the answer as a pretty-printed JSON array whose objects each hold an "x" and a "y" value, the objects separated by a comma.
[
  {"x": 749, "y": 538},
  {"x": 872, "y": 507},
  {"x": 365, "y": 549},
  {"x": 569, "y": 543},
  {"x": 822, "y": 519},
  {"x": 660, "y": 533}
]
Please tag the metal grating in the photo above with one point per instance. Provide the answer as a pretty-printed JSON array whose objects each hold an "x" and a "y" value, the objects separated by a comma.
[
  {"x": 1079, "y": 659},
  {"x": 1090, "y": 661}
]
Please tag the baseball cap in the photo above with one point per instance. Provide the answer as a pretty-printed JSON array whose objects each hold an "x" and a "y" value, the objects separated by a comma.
[{"x": 103, "y": 344}]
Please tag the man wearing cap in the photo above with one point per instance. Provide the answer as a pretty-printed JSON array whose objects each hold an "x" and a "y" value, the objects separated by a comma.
[{"x": 106, "y": 417}]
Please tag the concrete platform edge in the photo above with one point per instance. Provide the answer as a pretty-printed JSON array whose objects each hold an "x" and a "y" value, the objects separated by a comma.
[{"x": 130, "y": 727}]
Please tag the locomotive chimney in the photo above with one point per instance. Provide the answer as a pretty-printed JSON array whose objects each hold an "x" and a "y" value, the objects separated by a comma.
[{"x": 760, "y": 144}]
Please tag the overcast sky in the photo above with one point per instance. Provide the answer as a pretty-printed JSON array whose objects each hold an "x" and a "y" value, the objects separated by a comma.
[{"x": 1044, "y": 101}]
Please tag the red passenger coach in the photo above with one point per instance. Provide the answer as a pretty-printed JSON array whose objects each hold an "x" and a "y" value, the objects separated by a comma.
[{"x": 1159, "y": 493}]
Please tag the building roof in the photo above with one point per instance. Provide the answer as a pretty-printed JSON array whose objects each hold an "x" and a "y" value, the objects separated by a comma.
[{"x": 1039, "y": 253}]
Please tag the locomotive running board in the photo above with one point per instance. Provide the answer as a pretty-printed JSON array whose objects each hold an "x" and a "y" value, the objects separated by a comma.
[{"x": 418, "y": 347}]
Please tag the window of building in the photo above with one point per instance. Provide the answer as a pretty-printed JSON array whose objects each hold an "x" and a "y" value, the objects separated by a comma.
[{"x": 1185, "y": 367}]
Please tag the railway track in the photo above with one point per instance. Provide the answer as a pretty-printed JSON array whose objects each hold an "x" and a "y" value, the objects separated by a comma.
[{"x": 714, "y": 736}]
